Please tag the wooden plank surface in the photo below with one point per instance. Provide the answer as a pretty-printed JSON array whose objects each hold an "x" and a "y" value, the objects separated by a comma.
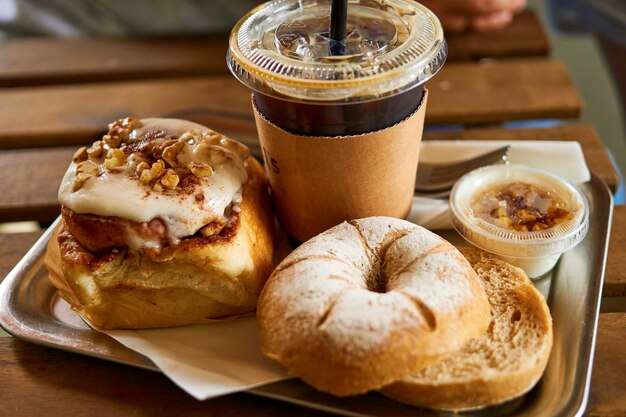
[
  {"x": 524, "y": 37},
  {"x": 615, "y": 276},
  {"x": 46, "y": 61},
  {"x": 13, "y": 246},
  {"x": 52, "y": 116},
  {"x": 32, "y": 195},
  {"x": 38, "y": 381},
  {"x": 497, "y": 91},
  {"x": 30, "y": 62},
  {"x": 608, "y": 390},
  {"x": 31, "y": 183},
  {"x": 460, "y": 93}
]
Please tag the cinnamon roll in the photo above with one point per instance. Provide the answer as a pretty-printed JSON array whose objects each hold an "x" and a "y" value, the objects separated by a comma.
[{"x": 164, "y": 222}]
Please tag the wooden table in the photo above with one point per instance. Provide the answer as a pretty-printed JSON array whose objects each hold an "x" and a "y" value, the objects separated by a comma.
[{"x": 57, "y": 94}]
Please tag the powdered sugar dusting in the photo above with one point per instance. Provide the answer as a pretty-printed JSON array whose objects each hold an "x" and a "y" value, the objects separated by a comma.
[
  {"x": 320, "y": 291},
  {"x": 342, "y": 242},
  {"x": 375, "y": 229},
  {"x": 439, "y": 280},
  {"x": 361, "y": 321},
  {"x": 407, "y": 250}
]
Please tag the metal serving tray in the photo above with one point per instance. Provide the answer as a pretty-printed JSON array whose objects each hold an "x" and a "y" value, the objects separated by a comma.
[{"x": 31, "y": 310}]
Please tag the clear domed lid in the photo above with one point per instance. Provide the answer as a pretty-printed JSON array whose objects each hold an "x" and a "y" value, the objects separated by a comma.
[{"x": 282, "y": 49}]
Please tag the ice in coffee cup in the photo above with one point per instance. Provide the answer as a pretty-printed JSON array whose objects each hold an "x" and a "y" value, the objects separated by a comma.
[{"x": 340, "y": 133}]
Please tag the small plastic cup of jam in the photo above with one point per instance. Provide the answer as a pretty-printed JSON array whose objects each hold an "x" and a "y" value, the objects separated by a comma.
[{"x": 526, "y": 216}]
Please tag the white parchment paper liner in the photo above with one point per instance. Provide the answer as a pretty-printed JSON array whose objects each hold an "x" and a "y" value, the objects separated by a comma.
[{"x": 207, "y": 360}]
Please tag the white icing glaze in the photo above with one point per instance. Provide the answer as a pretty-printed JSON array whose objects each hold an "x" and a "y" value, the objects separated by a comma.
[{"x": 118, "y": 192}]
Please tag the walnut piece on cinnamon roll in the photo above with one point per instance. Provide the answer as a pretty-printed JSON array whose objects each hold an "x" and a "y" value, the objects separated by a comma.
[{"x": 164, "y": 222}]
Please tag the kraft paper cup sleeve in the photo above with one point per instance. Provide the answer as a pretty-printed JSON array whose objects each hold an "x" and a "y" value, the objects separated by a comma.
[{"x": 317, "y": 182}]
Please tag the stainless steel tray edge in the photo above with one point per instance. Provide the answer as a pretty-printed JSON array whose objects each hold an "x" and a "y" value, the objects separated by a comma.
[
  {"x": 593, "y": 309},
  {"x": 25, "y": 322}
]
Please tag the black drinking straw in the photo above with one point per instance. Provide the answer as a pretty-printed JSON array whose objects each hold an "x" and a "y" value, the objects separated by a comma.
[{"x": 338, "y": 16}]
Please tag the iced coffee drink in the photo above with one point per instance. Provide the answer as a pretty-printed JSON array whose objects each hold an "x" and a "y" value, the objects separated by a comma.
[{"x": 340, "y": 134}]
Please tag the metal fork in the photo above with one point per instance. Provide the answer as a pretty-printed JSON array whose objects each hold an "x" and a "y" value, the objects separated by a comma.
[{"x": 436, "y": 180}]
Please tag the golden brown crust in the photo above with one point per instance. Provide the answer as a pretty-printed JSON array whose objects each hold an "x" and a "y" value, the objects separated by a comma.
[
  {"x": 504, "y": 363},
  {"x": 198, "y": 279}
]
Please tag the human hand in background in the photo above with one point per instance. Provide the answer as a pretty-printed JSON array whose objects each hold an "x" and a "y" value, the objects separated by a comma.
[{"x": 459, "y": 15}]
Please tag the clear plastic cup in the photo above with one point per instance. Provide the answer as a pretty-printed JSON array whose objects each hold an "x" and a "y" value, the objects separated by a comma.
[
  {"x": 281, "y": 50},
  {"x": 476, "y": 218},
  {"x": 340, "y": 134}
]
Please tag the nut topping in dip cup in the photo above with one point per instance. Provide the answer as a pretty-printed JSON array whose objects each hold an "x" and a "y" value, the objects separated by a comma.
[{"x": 525, "y": 215}]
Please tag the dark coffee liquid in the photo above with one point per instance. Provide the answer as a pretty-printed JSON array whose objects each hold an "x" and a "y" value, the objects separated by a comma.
[{"x": 339, "y": 119}]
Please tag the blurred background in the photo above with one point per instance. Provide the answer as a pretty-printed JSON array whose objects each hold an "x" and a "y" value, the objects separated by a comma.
[{"x": 584, "y": 34}]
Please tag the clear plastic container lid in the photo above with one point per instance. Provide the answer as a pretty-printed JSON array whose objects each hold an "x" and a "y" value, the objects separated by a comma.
[
  {"x": 282, "y": 49},
  {"x": 468, "y": 221}
]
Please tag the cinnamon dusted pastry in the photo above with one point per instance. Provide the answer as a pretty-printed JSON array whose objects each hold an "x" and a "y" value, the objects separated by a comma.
[{"x": 165, "y": 222}]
